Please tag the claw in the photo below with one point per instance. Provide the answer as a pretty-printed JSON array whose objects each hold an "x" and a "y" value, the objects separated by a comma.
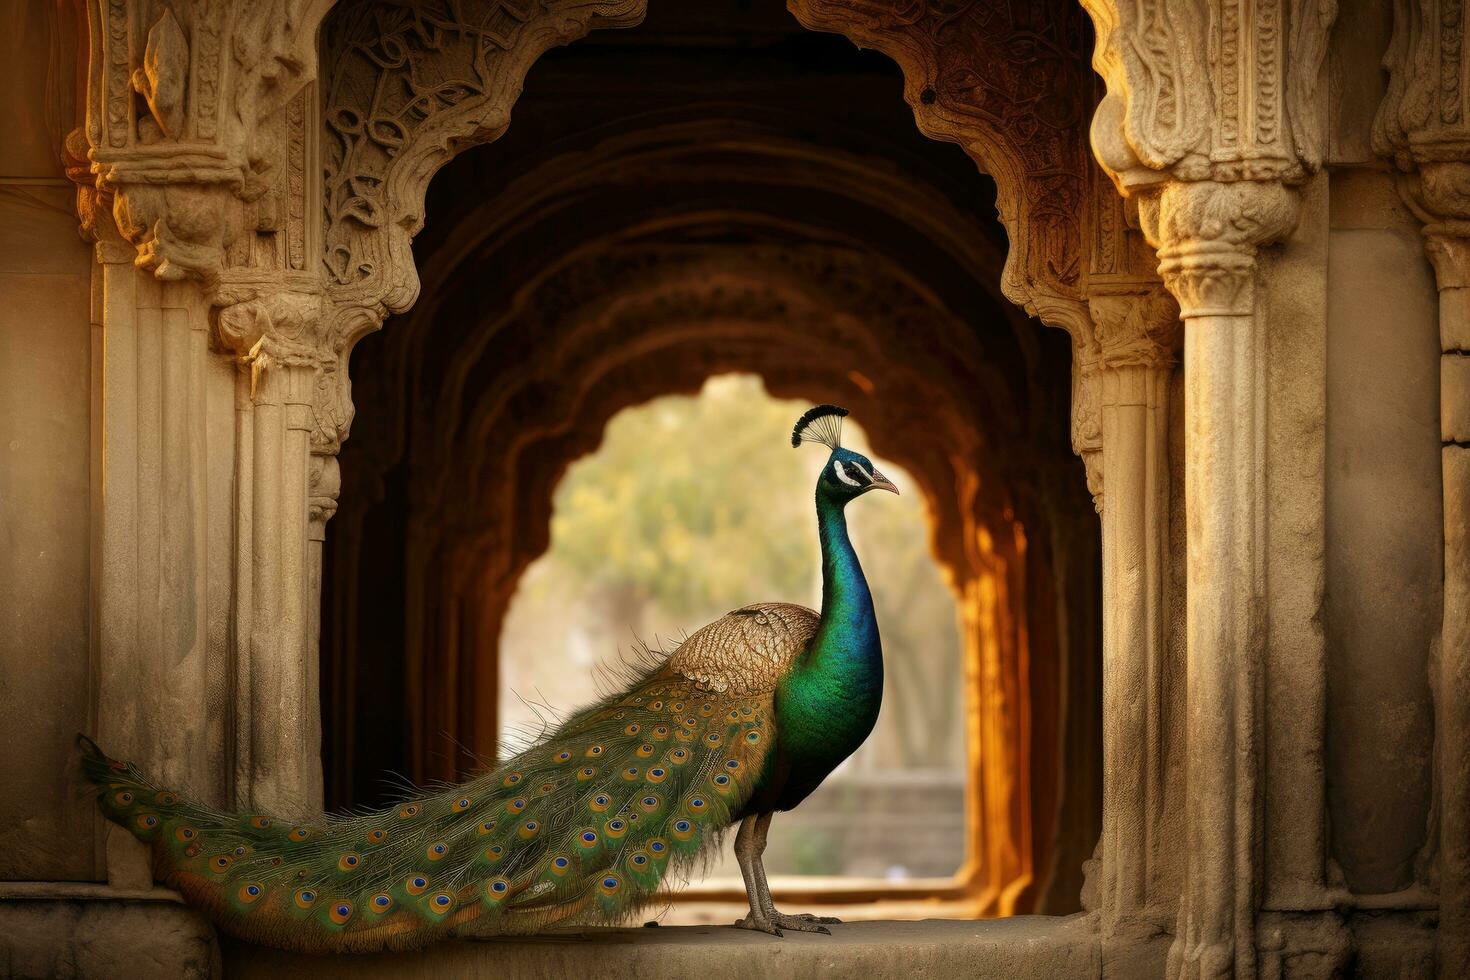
[{"x": 802, "y": 923}]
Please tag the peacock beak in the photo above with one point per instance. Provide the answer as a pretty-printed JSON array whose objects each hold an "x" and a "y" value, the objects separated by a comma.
[{"x": 881, "y": 482}]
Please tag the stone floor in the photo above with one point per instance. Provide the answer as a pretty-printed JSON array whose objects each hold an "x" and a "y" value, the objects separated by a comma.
[{"x": 1013, "y": 949}]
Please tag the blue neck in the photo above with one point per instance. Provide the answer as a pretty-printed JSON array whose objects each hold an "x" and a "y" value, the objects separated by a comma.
[
  {"x": 829, "y": 703},
  {"x": 847, "y": 641}
]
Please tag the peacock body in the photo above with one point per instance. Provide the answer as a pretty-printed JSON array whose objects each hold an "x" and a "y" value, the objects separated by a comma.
[{"x": 743, "y": 719}]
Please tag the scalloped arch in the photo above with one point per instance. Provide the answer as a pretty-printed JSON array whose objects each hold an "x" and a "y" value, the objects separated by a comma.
[{"x": 405, "y": 91}]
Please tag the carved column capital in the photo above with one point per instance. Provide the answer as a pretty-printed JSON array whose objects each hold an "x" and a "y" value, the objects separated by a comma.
[
  {"x": 1211, "y": 165},
  {"x": 177, "y": 140},
  {"x": 1437, "y": 190},
  {"x": 1207, "y": 233},
  {"x": 1222, "y": 90},
  {"x": 1136, "y": 325},
  {"x": 285, "y": 322}
]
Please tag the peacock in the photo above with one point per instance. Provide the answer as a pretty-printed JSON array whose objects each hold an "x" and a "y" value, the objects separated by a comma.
[{"x": 741, "y": 720}]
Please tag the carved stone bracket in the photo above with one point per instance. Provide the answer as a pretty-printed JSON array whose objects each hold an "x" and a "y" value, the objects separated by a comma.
[{"x": 1252, "y": 120}]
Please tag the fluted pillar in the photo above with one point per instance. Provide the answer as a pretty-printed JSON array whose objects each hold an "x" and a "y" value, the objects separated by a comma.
[
  {"x": 1136, "y": 326},
  {"x": 1210, "y": 266}
]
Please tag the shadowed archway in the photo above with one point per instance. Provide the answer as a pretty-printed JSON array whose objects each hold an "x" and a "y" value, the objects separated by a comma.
[{"x": 591, "y": 262}]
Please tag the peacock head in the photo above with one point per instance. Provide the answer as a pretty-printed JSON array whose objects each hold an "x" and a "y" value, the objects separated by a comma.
[{"x": 847, "y": 474}]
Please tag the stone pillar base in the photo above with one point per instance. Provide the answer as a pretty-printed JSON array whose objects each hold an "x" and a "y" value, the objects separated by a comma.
[{"x": 79, "y": 929}]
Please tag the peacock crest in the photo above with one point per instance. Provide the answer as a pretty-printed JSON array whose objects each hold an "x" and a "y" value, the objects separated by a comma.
[{"x": 822, "y": 424}]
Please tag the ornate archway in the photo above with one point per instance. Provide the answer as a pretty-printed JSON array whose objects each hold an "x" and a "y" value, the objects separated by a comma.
[
  {"x": 225, "y": 220},
  {"x": 734, "y": 281}
]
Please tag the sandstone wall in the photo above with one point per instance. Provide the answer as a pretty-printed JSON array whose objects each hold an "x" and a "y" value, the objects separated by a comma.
[
  {"x": 1384, "y": 544},
  {"x": 45, "y": 456}
]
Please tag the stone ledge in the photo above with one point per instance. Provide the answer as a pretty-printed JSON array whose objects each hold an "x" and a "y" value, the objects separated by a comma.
[{"x": 1021, "y": 948}]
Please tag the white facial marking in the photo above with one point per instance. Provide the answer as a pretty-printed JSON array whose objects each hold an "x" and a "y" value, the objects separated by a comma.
[
  {"x": 842, "y": 474},
  {"x": 859, "y": 467}
]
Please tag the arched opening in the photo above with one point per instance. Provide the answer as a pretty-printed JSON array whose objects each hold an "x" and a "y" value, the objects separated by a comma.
[
  {"x": 693, "y": 506},
  {"x": 615, "y": 247}
]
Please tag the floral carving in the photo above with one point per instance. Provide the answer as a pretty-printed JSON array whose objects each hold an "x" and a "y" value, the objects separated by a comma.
[
  {"x": 1252, "y": 122},
  {"x": 1136, "y": 327}
]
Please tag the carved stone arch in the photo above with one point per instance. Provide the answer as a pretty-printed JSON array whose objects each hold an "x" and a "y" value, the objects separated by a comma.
[
  {"x": 660, "y": 144},
  {"x": 829, "y": 297},
  {"x": 1006, "y": 83},
  {"x": 764, "y": 155},
  {"x": 405, "y": 87},
  {"x": 769, "y": 312},
  {"x": 371, "y": 272},
  {"x": 934, "y": 347}
]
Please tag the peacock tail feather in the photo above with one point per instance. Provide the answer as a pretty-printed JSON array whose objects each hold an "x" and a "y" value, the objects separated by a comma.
[{"x": 582, "y": 827}]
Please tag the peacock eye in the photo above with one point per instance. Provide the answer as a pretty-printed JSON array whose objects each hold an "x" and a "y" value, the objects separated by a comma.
[{"x": 839, "y": 469}]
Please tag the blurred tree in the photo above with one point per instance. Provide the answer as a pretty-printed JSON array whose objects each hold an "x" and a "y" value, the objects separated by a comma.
[
  {"x": 651, "y": 515},
  {"x": 696, "y": 505}
]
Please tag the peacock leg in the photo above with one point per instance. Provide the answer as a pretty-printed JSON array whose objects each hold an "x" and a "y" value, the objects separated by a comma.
[
  {"x": 759, "y": 897},
  {"x": 804, "y": 921}
]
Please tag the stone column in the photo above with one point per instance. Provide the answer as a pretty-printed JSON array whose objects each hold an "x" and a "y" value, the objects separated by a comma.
[
  {"x": 285, "y": 410},
  {"x": 1209, "y": 265},
  {"x": 1424, "y": 127},
  {"x": 1137, "y": 330},
  {"x": 1208, "y": 125},
  {"x": 193, "y": 167},
  {"x": 1449, "y": 249}
]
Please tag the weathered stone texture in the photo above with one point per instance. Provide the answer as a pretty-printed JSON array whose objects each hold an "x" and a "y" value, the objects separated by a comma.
[
  {"x": 1384, "y": 512},
  {"x": 1021, "y": 948},
  {"x": 88, "y": 937}
]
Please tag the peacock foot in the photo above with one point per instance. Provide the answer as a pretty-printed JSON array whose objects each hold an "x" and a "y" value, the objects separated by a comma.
[
  {"x": 789, "y": 921},
  {"x": 773, "y": 924}
]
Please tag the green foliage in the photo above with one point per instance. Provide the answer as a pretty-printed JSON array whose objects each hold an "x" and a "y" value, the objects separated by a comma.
[
  {"x": 652, "y": 515},
  {"x": 693, "y": 506}
]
